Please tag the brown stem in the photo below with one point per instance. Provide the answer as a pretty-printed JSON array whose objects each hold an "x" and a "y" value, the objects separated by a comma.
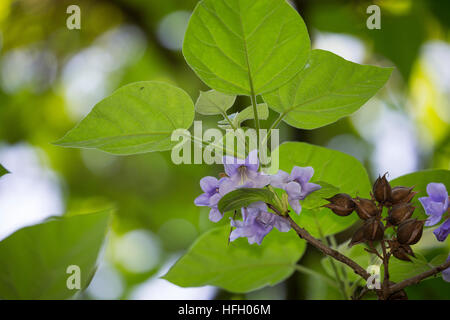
[
  {"x": 416, "y": 279},
  {"x": 386, "y": 257},
  {"x": 303, "y": 234}
]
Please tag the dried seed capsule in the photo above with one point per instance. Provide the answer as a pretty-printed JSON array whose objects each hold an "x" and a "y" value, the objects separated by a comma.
[
  {"x": 365, "y": 208},
  {"x": 401, "y": 251},
  {"x": 402, "y": 195},
  {"x": 373, "y": 230},
  {"x": 358, "y": 237},
  {"x": 410, "y": 231},
  {"x": 382, "y": 189},
  {"x": 400, "y": 212},
  {"x": 341, "y": 204}
]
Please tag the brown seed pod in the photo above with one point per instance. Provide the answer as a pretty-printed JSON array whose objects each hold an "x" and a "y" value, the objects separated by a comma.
[
  {"x": 382, "y": 189},
  {"x": 373, "y": 230},
  {"x": 401, "y": 251},
  {"x": 402, "y": 195},
  {"x": 399, "y": 213},
  {"x": 341, "y": 204},
  {"x": 365, "y": 208},
  {"x": 410, "y": 231},
  {"x": 358, "y": 237}
]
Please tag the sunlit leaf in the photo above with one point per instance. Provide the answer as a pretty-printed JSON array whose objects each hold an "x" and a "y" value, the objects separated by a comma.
[
  {"x": 214, "y": 102},
  {"x": 327, "y": 89},
  {"x": 139, "y": 117},
  {"x": 237, "y": 267},
  {"x": 247, "y": 114},
  {"x": 246, "y": 46},
  {"x": 34, "y": 260},
  {"x": 338, "y": 169}
]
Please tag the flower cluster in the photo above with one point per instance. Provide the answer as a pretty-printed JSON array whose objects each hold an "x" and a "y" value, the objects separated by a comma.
[
  {"x": 256, "y": 221},
  {"x": 436, "y": 205}
]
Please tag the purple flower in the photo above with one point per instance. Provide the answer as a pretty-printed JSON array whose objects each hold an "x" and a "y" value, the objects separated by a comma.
[
  {"x": 296, "y": 185},
  {"x": 211, "y": 196},
  {"x": 257, "y": 223},
  {"x": 244, "y": 173},
  {"x": 436, "y": 204},
  {"x": 446, "y": 272}
]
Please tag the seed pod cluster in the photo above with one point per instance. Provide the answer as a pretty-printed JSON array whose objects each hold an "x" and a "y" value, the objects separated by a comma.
[{"x": 397, "y": 201}]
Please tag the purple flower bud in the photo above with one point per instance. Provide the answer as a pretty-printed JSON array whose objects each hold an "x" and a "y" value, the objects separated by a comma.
[
  {"x": 211, "y": 196},
  {"x": 443, "y": 231}
]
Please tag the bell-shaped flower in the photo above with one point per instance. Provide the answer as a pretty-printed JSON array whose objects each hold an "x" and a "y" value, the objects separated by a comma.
[
  {"x": 243, "y": 173},
  {"x": 211, "y": 196},
  {"x": 296, "y": 185},
  {"x": 436, "y": 204},
  {"x": 257, "y": 222}
]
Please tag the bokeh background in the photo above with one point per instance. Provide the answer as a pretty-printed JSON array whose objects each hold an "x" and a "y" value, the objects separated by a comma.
[{"x": 50, "y": 77}]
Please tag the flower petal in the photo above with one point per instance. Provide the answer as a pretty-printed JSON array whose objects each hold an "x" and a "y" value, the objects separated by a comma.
[
  {"x": 302, "y": 175},
  {"x": 252, "y": 161},
  {"x": 231, "y": 165},
  {"x": 280, "y": 179},
  {"x": 282, "y": 224},
  {"x": 215, "y": 215},
  {"x": 443, "y": 231},
  {"x": 202, "y": 200},
  {"x": 308, "y": 188},
  {"x": 209, "y": 184},
  {"x": 437, "y": 192},
  {"x": 295, "y": 204},
  {"x": 294, "y": 190}
]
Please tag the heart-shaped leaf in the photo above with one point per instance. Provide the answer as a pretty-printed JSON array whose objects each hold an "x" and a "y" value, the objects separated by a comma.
[
  {"x": 137, "y": 118},
  {"x": 213, "y": 102},
  {"x": 327, "y": 89},
  {"x": 246, "y": 47}
]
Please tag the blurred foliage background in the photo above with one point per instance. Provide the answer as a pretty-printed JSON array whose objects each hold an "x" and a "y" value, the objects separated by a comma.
[{"x": 50, "y": 77}]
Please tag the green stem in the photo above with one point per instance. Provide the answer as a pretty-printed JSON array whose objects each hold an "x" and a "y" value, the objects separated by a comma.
[
  {"x": 229, "y": 120},
  {"x": 255, "y": 113}
]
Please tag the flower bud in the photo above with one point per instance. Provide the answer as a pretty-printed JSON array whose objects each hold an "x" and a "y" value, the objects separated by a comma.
[
  {"x": 366, "y": 208},
  {"x": 373, "y": 230},
  {"x": 382, "y": 189},
  {"x": 410, "y": 231},
  {"x": 400, "y": 212},
  {"x": 341, "y": 204},
  {"x": 402, "y": 195}
]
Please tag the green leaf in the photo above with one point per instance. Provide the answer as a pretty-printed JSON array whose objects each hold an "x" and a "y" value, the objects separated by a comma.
[
  {"x": 327, "y": 89},
  {"x": 34, "y": 260},
  {"x": 400, "y": 270},
  {"x": 3, "y": 171},
  {"x": 243, "y": 197},
  {"x": 420, "y": 180},
  {"x": 213, "y": 102},
  {"x": 237, "y": 267},
  {"x": 338, "y": 169},
  {"x": 137, "y": 118},
  {"x": 247, "y": 114},
  {"x": 246, "y": 47}
]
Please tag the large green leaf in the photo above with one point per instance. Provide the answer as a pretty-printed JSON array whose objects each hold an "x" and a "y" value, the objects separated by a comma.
[
  {"x": 213, "y": 102},
  {"x": 246, "y": 46},
  {"x": 3, "y": 171},
  {"x": 337, "y": 169},
  {"x": 327, "y": 89},
  {"x": 137, "y": 118},
  {"x": 243, "y": 197},
  {"x": 237, "y": 267},
  {"x": 34, "y": 260},
  {"x": 420, "y": 180}
]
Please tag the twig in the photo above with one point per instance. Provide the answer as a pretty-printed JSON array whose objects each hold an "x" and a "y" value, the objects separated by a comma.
[{"x": 416, "y": 279}]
